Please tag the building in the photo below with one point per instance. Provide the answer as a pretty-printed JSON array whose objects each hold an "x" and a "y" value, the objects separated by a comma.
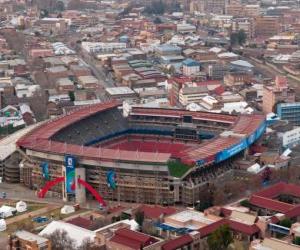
[
  {"x": 267, "y": 26},
  {"x": 191, "y": 93},
  {"x": 76, "y": 233},
  {"x": 291, "y": 138},
  {"x": 289, "y": 112},
  {"x": 186, "y": 28},
  {"x": 136, "y": 150},
  {"x": 272, "y": 243},
  {"x": 168, "y": 50},
  {"x": 26, "y": 240},
  {"x": 127, "y": 239},
  {"x": 213, "y": 6},
  {"x": 190, "y": 67},
  {"x": 246, "y": 24},
  {"x": 277, "y": 93},
  {"x": 89, "y": 82},
  {"x": 251, "y": 10},
  {"x": 237, "y": 78},
  {"x": 120, "y": 93},
  {"x": 217, "y": 71},
  {"x": 241, "y": 65},
  {"x": 95, "y": 47}
]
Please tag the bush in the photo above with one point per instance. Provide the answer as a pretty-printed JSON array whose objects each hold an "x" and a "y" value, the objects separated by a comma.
[
  {"x": 245, "y": 203},
  {"x": 286, "y": 223},
  {"x": 296, "y": 241}
]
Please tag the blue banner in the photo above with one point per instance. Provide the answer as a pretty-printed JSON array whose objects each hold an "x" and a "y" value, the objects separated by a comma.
[
  {"x": 70, "y": 163},
  {"x": 45, "y": 170},
  {"x": 235, "y": 149}
]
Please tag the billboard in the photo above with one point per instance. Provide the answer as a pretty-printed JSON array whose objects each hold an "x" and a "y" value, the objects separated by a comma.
[
  {"x": 259, "y": 132},
  {"x": 111, "y": 179},
  {"x": 227, "y": 153},
  {"x": 45, "y": 170},
  {"x": 70, "y": 163}
]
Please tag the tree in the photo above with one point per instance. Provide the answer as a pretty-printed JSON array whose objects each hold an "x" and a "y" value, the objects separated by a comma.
[
  {"x": 245, "y": 203},
  {"x": 44, "y": 13},
  {"x": 87, "y": 244},
  {"x": 286, "y": 222},
  {"x": 157, "y": 20},
  {"x": 156, "y": 7},
  {"x": 139, "y": 218},
  {"x": 38, "y": 104},
  {"x": 266, "y": 174},
  {"x": 296, "y": 241},
  {"x": 239, "y": 37},
  {"x": 60, "y": 240},
  {"x": 72, "y": 96},
  {"x": 242, "y": 37},
  {"x": 27, "y": 226},
  {"x": 218, "y": 197},
  {"x": 220, "y": 239}
]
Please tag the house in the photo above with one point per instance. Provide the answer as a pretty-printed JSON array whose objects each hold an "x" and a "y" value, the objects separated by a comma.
[
  {"x": 127, "y": 239},
  {"x": 25, "y": 240},
  {"x": 88, "y": 82},
  {"x": 77, "y": 234},
  {"x": 190, "y": 67}
]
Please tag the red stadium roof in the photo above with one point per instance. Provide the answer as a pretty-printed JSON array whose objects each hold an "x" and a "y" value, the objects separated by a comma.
[
  {"x": 181, "y": 112},
  {"x": 40, "y": 138}
]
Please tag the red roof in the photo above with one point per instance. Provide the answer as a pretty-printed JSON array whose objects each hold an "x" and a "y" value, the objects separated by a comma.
[
  {"x": 205, "y": 231},
  {"x": 233, "y": 225},
  {"x": 154, "y": 212},
  {"x": 265, "y": 199},
  {"x": 270, "y": 204},
  {"x": 81, "y": 222},
  {"x": 178, "y": 242},
  {"x": 243, "y": 228},
  {"x": 132, "y": 239}
]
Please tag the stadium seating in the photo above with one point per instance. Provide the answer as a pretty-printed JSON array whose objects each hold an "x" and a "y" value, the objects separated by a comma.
[{"x": 87, "y": 131}]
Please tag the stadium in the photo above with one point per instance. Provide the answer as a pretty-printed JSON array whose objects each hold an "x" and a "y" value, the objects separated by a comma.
[{"x": 153, "y": 155}]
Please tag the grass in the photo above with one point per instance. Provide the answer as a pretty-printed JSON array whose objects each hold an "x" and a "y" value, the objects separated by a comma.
[
  {"x": 28, "y": 224},
  {"x": 177, "y": 169}
]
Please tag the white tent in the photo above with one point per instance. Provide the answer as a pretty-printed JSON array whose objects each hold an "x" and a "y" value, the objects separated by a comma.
[
  {"x": 7, "y": 211},
  {"x": 134, "y": 225},
  {"x": 286, "y": 152},
  {"x": 255, "y": 169},
  {"x": 67, "y": 209},
  {"x": 2, "y": 225},
  {"x": 21, "y": 206}
]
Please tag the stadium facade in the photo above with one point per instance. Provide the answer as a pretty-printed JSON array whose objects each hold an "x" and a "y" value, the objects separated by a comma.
[{"x": 153, "y": 156}]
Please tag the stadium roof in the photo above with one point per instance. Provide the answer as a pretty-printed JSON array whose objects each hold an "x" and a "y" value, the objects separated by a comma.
[
  {"x": 240, "y": 127},
  {"x": 40, "y": 139}
]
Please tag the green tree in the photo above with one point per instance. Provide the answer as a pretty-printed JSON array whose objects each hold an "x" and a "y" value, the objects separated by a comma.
[
  {"x": 239, "y": 37},
  {"x": 156, "y": 7},
  {"x": 139, "y": 218},
  {"x": 242, "y": 37},
  {"x": 245, "y": 203},
  {"x": 296, "y": 241},
  {"x": 72, "y": 96},
  {"x": 157, "y": 20},
  {"x": 220, "y": 239},
  {"x": 286, "y": 222}
]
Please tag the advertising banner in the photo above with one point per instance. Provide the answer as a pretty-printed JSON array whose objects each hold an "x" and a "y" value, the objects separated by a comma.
[
  {"x": 45, "y": 170},
  {"x": 227, "y": 153},
  {"x": 70, "y": 163}
]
